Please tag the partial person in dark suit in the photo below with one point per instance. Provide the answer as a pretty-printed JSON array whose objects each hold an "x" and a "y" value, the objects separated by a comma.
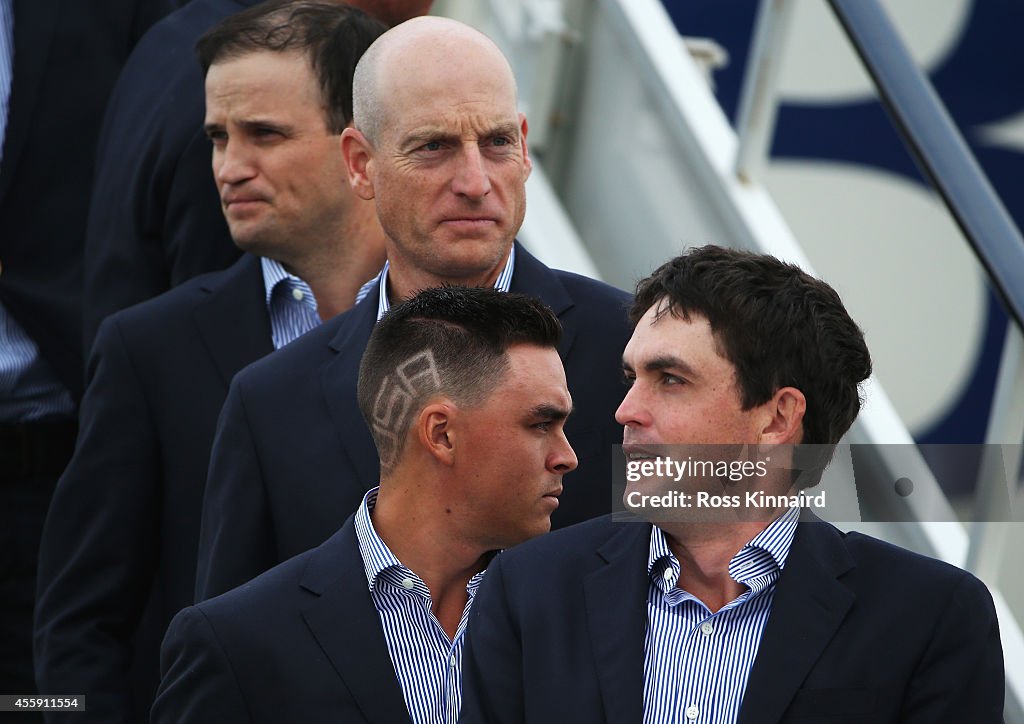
[
  {"x": 118, "y": 554},
  {"x": 155, "y": 218},
  {"x": 742, "y": 614},
  {"x": 58, "y": 63},
  {"x": 466, "y": 399},
  {"x": 443, "y": 153}
]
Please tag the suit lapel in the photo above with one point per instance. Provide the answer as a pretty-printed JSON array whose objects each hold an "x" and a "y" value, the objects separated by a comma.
[
  {"x": 533, "y": 278},
  {"x": 338, "y": 380},
  {"x": 810, "y": 604},
  {"x": 347, "y": 627},
  {"x": 616, "y": 603},
  {"x": 34, "y": 22},
  {"x": 232, "y": 317}
]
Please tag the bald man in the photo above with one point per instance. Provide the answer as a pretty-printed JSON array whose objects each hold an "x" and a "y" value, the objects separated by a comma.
[
  {"x": 466, "y": 397},
  {"x": 442, "y": 152}
]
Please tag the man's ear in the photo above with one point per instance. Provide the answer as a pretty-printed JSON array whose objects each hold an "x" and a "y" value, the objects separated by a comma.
[
  {"x": 785, "y": 417},
  {"x": 435, "y": 431},
  {"x": 523, "y": 128},
  {"x": 358, "y": 154}
]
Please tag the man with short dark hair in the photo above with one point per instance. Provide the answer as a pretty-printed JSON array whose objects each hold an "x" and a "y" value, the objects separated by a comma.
[
  {"x": 466, "y": 399},
  {"x": 276, "y": 144},
  {"x": 119, "y": 548},
  {"x": 446, "y": 163},
  {"x": 737, "y": 616}
]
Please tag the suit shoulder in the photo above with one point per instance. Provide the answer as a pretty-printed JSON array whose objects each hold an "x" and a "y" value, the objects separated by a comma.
[
  {"x": 600, "y": 316},
  {"x": 174, "y": 304},
  {"x": 593, "y": 291},
  {"x": 868, "y": 549},
  {"x": 272, "y": 590},
  {"x": 287, "y": 586},
  {"x": 570, "y": 544},
  {"x": 907, "y": 569}
]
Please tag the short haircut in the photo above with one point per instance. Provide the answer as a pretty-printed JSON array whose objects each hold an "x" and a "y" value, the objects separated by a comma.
[
  {"x": 449, "y": 341},
  {"x": 777, "y": 325},
  {"x": 332, "y": 35}
]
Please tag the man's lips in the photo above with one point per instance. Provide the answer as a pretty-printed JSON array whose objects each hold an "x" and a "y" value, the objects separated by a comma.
[
  {"x": 469, "y": 222},
  {"x": 636, "y": 451},
  {"x": 241, "y": 202}
]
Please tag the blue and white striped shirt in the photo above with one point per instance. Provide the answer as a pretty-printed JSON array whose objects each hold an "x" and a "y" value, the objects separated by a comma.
[
  {"x": 696, "y": 663},
  {"x": 28, "y": 388},
  {"x": 290, "y": 302},
  {"x": 502, "y": 284},
  {"x": 427, "y": 663}
]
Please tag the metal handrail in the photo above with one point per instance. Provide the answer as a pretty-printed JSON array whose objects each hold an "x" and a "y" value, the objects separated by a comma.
[{"x": 939, "y": 149}]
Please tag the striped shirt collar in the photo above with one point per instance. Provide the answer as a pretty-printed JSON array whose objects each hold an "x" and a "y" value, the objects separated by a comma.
[
  {"x": 756, "y": 565},
  {"x": 274, "y": 273},
  {"x": 290, "y": 303},
  {"x": 380, "y": 564},
  {"x": 503, "y": 283},
  {"x": 377, "y": 557}
]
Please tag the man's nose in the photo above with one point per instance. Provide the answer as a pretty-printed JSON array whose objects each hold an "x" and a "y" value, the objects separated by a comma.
[
  {"x": 631, "y": 410},
  {"x": 233, "y": 163},
  {"x": 471, "y": 179}
]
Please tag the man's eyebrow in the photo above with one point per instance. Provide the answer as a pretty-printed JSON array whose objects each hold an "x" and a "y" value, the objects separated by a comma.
[
  {"x": 503, "y": 129},
  {"x": 663, "y": 362},
  {"x": 551, "y": 412},
  {"x": 430, "y": 133},
  {"x": 249, "y": 125},
  {"x": 252, "y": 123},
  {"x": 425, "y": 135}
]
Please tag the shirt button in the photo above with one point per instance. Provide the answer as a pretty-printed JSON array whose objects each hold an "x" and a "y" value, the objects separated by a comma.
[
  {"x": 692, "y": 712},
  {"x": 408, "y": 584},
  {"x": 297, "y": 295},
  {"x": 707, "y": 628},
  {"x": 454, "y": 663},
  {"x": 667, "y": 575}
]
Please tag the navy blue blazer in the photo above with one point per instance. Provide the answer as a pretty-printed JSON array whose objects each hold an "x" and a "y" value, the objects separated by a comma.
[
  {"x": 293, "y": 456},
  {"x": 67, "y": 55},
  {"x": 117, "y": 559},
  {"x": 155, "y": 218},
  {"x": 860, "y": 631},
  {"x": 301, "y": 643}
]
